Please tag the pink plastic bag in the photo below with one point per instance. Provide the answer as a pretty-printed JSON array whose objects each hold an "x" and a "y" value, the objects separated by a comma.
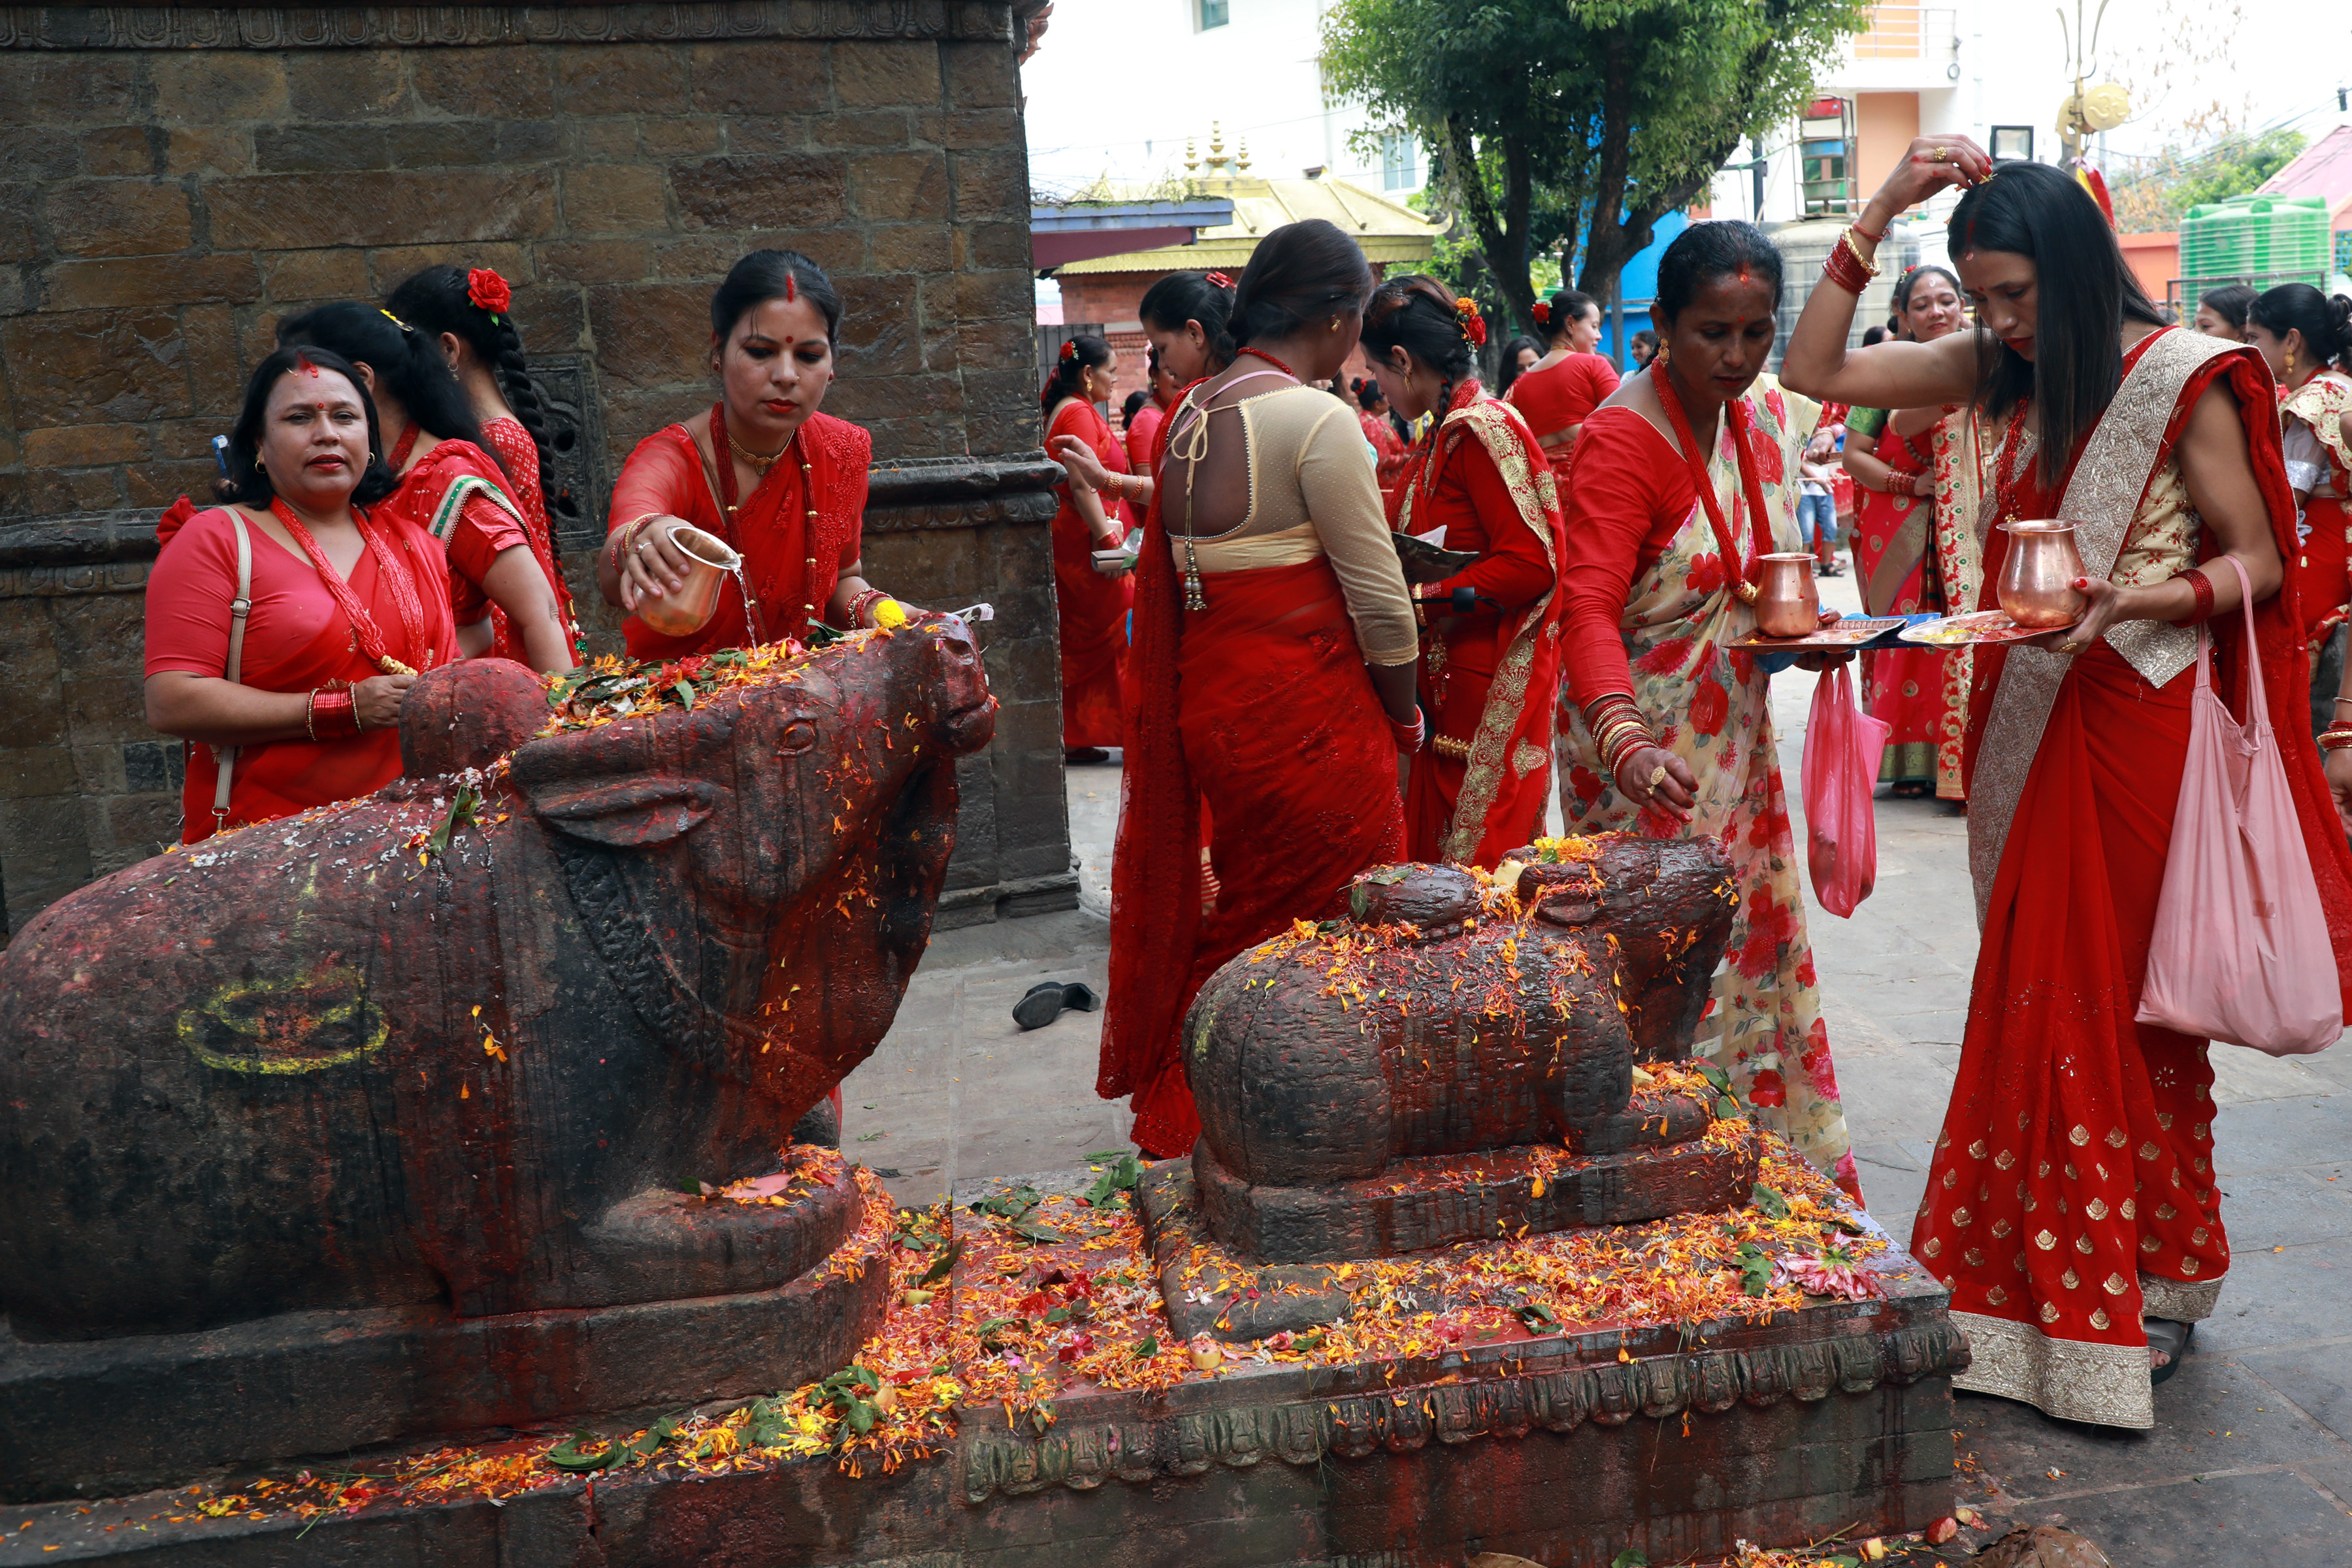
[
  {"x": 2241, "y": 953},
  {"x": 1842, "y": 748}
]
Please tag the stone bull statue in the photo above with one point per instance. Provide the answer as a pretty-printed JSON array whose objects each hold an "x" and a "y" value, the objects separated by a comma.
[
  {"x": 1440, "y": 1023},
  {"x": 294, "y": 1067}
]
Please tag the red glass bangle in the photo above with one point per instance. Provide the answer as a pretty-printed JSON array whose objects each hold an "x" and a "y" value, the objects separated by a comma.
[
  {"x": 2201, "y": 586},
  {"x": 1844, "y": 270},
  {"x": 332, "y": 716},
  {"x": 1879, "y": 238}
]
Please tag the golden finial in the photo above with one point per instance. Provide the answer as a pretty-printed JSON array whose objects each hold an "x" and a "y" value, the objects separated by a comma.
[
  {"x": 1242, "y": 161},
  {"x": 1217, "y": 159},
  {"x": 1192, "y": 156}
]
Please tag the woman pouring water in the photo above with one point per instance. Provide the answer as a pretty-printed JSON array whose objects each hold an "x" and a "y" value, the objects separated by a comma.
[{"x": 764, "y": 474}]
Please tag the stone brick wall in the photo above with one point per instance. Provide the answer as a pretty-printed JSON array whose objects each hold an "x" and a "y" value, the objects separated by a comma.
[{"x": 173, "y": 181}]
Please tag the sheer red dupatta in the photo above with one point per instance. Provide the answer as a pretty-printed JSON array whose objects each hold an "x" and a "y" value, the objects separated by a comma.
[
  {"x": 2279, "y": 632},
  {"x": 1155, "y": 901}
]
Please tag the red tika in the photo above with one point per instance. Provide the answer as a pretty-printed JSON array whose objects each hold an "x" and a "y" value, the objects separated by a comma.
[
  {"x": 1093, "y": 609},
  {"x": 1491, "y": 677},
  {"x": 2072, "y": 1188},
  {"x": 798, "y": 532},
  {"x": 296, "y": 639},
  {"x": 518, "y": 456},
  {"x": 1259, "y": 711}
]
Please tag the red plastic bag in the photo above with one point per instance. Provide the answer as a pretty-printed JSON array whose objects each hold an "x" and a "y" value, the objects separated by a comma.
[{"x": 1842, "y": 749}]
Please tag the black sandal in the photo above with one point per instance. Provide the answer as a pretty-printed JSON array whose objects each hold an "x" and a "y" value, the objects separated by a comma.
[
  {"x": 2171, "y": 1338},
  {"x": 1044, "y": 1001}
]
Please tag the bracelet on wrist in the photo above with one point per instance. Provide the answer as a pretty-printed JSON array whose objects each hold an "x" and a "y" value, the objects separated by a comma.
[
  {"x": 2336, "y": 740},
  {"x": 331, "y": 715},
  {"x": 2202, "y": 587}
]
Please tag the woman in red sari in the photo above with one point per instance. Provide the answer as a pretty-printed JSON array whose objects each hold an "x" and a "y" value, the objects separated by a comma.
[
  {"x": 1894, "y": 535},
  {"x": 2072, "y": 1205},
  {"x": 450, "y": 486},
  {"x": 2303, "y": 335},
  {"x": 1490, "y": 654},
  {"x": 1273, "y": 665},
  {"x": 349, "y": 604},
  {"x": 1563, "y": 388},
  {"x": 1388, "y": 454},
  {"x": 467, "y": 313},
  {"x": 788, "y": 494},
  {"x": 1092, "y": 599}
]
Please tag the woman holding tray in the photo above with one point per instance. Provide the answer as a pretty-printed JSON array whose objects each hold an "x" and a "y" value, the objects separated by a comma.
[
  {"x": 1272, "y": 666},
  {"x": 2072, "y": 1205},
  {"x": 1684, "y": 478},
  {"x": 1900, "y": 524},
  {"x": 1490, "y": 651}
]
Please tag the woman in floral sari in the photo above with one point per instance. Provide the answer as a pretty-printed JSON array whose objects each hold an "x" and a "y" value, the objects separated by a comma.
[
  {"x": 1682, "y": 479},
  {"x": 1490, "y": 647},
  {"x": 781, "y": 483},
  {"x": 2072, "y": 1205}
]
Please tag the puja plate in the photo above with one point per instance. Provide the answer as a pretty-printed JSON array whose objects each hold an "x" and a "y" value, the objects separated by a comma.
[
  {"x": 1977, "y": 627},
  {"x": 1854, "y": 632}
]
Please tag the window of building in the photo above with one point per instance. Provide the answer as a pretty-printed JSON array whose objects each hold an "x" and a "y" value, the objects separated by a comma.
[
  {"x": 1214, "y": 12},
  {"x": 1400, "y": 163},
  {"x": 1826, "y": 135}
]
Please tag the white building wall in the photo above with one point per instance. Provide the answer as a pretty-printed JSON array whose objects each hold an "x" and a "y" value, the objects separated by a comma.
[{"x": 1119, "y": 85}]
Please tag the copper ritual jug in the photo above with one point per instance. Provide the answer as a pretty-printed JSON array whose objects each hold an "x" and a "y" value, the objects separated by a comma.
[
  {"x": 709, "y": 563},
  {"x": 1787, "y": 600},
  {"x": 2037, "y": 577}
]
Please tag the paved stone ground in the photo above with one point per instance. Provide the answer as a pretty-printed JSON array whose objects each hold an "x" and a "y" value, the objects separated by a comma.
[{"x": 2251, "y": 1459}]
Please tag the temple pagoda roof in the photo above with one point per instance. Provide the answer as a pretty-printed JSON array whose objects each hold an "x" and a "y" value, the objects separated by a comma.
[{"x": 1388, "y": 232}]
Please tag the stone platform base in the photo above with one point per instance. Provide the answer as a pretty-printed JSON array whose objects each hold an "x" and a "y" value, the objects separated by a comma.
[
  {"x": 99, "y": 1418},
  {"x": 1419, "y": 1204}
]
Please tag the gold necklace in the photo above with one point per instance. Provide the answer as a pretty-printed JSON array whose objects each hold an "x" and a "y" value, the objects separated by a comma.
[{"x": 759, "y": 465}]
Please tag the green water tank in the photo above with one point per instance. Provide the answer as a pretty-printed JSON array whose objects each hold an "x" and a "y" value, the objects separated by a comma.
[
  {"x": 2195, "y": 239},
  {"x": 2300, "y": 239},
  {"x": 2220, "y": 249}
]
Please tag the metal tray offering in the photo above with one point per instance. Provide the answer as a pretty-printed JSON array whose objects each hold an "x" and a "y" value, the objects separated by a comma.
[
  {"x": 1977, "y": 627},
  {"x": 1854, "y": 632}
]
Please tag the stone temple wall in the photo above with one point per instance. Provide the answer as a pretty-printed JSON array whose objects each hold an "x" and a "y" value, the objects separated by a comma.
[{"x": 174, "y": 180}]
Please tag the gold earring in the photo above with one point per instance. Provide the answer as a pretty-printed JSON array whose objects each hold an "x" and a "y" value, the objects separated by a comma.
[
  {"x": 2290, "y": 361},
  {"x": 1663, "y": 354}
]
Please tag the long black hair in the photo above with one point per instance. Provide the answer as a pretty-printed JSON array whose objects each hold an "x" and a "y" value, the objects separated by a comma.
[
  {"x": 2083, "y": 295},
  {"x": 440, "y": 299},
  {"x": 1131, "y": 407},
  {"x": 1298, "y": 274},
  {"x": 766, "y": 275},
  {"x": 1368, "y": 392},
  {"x": 2324, "y": 322},
  {"x": 1719, "y": 248},
  {"x": 1556, "y": 309},
  {"x": 1416, "y": 313},
  {"x": 246, "y": 481},
  {"x": 1081, "y": 354},
  {"x": 1182, "y": 296},
  {"x": 407, "y": 362}
]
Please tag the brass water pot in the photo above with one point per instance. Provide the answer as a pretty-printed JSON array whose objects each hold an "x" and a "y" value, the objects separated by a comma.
[
  {"x": 686, "y": 610},
  {"x": 2037, "y": 577},
  {"x": 1787, "y": 600}
]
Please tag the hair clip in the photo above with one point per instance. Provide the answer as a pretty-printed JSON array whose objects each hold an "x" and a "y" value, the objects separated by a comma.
[
  {"x": 395, "y": 320},
  {"x": 1219, "y": 281}
]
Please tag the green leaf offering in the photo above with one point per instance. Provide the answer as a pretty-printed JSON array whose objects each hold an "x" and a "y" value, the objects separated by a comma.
[
  {"x": 1755, "y": 1269},
  {"x": 1149, "y": 1348},
  {"x": 1774, "y": 1205},
  {"x": 939, "y": 1270},
  {"x": 1632, "y": 1557}
]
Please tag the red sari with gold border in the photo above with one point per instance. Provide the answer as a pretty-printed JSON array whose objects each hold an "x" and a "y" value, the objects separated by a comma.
[
  {"x": 1489, "y": 679},
  {"x": 1257, "y": 712},
  {"x": 2073, "y": 1187}
]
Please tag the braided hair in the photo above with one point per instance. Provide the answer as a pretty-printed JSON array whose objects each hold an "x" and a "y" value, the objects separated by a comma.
[
  {"x": 440, "y": 299},
  {"x": 1420, "y": 315}
]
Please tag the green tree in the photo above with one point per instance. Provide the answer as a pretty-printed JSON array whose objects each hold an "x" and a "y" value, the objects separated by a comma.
[
  {"x": 2157, "y": 193},
  {"x": 1561, "y": 123}
]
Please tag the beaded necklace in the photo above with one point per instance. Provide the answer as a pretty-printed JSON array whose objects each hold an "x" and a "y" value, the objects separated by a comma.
[{"x": 1737, "y": 567}]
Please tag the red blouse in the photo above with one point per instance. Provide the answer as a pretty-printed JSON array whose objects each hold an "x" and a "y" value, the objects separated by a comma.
[
  {"x": 1563, "y": 395},
  {"x": 475, "y": 532},
  {"x": 518, "y": 456},
  {"x": 1632, "y": 493},
  {"x": 1139, "y": 437}
]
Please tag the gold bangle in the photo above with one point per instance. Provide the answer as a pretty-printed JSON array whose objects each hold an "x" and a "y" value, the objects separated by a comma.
[{"x": 1869, "y": 267}]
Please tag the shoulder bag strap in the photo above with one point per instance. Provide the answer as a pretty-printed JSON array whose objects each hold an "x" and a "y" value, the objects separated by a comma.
[{"x": 238, "y": 609}]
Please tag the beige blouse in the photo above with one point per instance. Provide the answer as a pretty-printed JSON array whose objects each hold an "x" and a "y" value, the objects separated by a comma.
[{"x": 1314, "y": 491}]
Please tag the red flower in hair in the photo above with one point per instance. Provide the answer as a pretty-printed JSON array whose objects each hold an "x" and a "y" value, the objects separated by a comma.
[
  {"x": 1542, "y": 312},
  {"x": 1473, "y": 325},
  {"x": 1069, "y": 350},
  {"x": 1219, "y": 281},
  {"x": 488, "y": 290}
]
